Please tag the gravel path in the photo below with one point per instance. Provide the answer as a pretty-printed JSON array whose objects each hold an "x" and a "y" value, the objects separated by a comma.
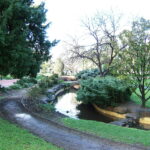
[
  {"x": 59, "y": 135},
  {"x": 7, "y": 83}
]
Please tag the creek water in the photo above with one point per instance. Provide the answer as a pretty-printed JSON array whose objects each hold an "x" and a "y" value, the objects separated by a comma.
[{"x": 68, "y": 105}]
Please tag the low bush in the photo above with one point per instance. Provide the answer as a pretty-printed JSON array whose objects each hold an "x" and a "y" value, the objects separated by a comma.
[
  {"x": 47, "y": 82},
  {"x": 25, "y": 82},
  {"x": 2, "y": 89},
  {"x": 15, "y": 86},
  {"x": 32, "y": 98},
  {"x": 103, "y": 91},
  {"x": 39, "y": 77},
  {"x": 47, "y": 107},
  {"x": 35, "y": 93},
  {"x": 85, "y": 74},
  {"x": 7, "y": 77}
]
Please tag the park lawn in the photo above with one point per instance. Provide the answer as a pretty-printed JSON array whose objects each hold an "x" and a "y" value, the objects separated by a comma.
[
  {"x": 15, "y": 138},
  {"x": 109, "y": 131}
]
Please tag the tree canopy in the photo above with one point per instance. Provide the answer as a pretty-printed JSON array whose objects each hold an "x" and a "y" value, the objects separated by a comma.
[
  {"x": 103, "y": 32},
  {"x": 23, "y": 42},
  {"x": 136, "y": 57}
]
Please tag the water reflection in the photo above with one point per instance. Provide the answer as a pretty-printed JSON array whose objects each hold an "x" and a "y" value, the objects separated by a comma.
[
  {"x": 69, "y": 106},
  {"x": 23, "y": 116}
]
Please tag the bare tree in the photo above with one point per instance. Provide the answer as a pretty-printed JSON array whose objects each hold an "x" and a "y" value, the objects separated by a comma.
[
  {"x": 103, "y": 42},
  {"x": 74, "y": 64}
]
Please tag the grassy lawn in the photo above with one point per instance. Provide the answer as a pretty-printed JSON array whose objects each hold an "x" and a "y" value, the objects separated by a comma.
[
  {"x": 15, "y": 138},
  {"x": 116, "y": 133}
]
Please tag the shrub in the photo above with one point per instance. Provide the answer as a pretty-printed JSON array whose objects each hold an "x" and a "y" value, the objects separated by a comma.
[
  {"x": 7, "y": 77},
  {"x": 15, "y": 86},
  {"x": 39, "y": 77},
  {"x": 2, "y": 89},
  {"x": 85, "y": 74},
  {"x": 34, "y": 92},
  {"x": 32, "y": 98},
  {"x": 47, "y": 82},
  {"x": 24, "y": 82},
  {"x": 104, "y": 91},
  {"x": 47, "y": 107}
]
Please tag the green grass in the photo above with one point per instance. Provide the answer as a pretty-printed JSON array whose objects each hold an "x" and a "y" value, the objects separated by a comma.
[
  {"x": 137, "y": 100},
  {"x": 15, "y": 138},
  {"x": 2, "y": 97},
  {"x": 109, "y": 131}
]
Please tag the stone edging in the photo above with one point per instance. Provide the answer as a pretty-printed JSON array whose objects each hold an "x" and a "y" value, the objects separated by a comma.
[
  {"x": 109, "y": 113},
  {"x": 142, "y": 121},
  {"x": 58, "y": 90}
]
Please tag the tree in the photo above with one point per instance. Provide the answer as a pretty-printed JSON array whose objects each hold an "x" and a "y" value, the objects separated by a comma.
[
  {"x": 23, "y": 43},
  {"x": 136, "y": 57},
  {"x": 47, "y": 68},
  {"x": 58, "y": 67},
  {"x": 103, "y": 34},
  {"x": 73, "y": 66}
]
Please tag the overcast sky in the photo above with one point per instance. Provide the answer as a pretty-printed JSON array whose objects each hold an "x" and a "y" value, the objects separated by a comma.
[{"x": 66, "y": 15}]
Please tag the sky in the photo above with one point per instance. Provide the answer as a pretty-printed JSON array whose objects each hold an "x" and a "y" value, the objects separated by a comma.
[{"x": 66, "y": 15}]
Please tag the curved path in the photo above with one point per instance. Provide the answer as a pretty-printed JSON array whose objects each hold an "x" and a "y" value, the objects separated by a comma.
[{"x": 59, "y": 135}]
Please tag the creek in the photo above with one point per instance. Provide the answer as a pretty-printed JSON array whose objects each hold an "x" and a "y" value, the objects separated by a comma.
[{"x": 68, "y": 105}]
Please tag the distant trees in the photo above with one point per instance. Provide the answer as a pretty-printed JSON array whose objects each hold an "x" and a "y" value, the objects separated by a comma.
[
  {"x": 103, "y": 34},
  {"x": 47, "y": 68},
  {"x": 135, "y": 60},
  {"x": 58, "y": 67},
  {"x": 23, "y": 43}
]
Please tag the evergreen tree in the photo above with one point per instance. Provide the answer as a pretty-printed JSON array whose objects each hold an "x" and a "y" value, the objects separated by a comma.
[{"x": 23, "y": 43}]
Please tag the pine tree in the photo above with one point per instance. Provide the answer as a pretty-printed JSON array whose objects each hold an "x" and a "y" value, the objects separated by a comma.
[{"x": 23, "y": 43}]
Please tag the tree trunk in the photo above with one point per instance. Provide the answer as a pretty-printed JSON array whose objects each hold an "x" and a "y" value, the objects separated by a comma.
[
  {"x": 143, "y": 95},
  {"x": 143, "y": 102}
]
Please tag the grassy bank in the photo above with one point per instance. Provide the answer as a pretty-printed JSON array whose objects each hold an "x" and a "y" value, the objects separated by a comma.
[
  {"x": 116, "y": 133},
  {"x": 15, "y": 138}
]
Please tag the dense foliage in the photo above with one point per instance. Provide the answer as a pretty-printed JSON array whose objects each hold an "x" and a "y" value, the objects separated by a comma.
[
  {"x": 23, "y": 43},
  {"x": 85, "y": 74},
  {"x": 48, "y": 81},
  {"x": 24, "y": 82},
  {"x": 38, "y": 91},
  {"x": 104, "y": 91}
]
